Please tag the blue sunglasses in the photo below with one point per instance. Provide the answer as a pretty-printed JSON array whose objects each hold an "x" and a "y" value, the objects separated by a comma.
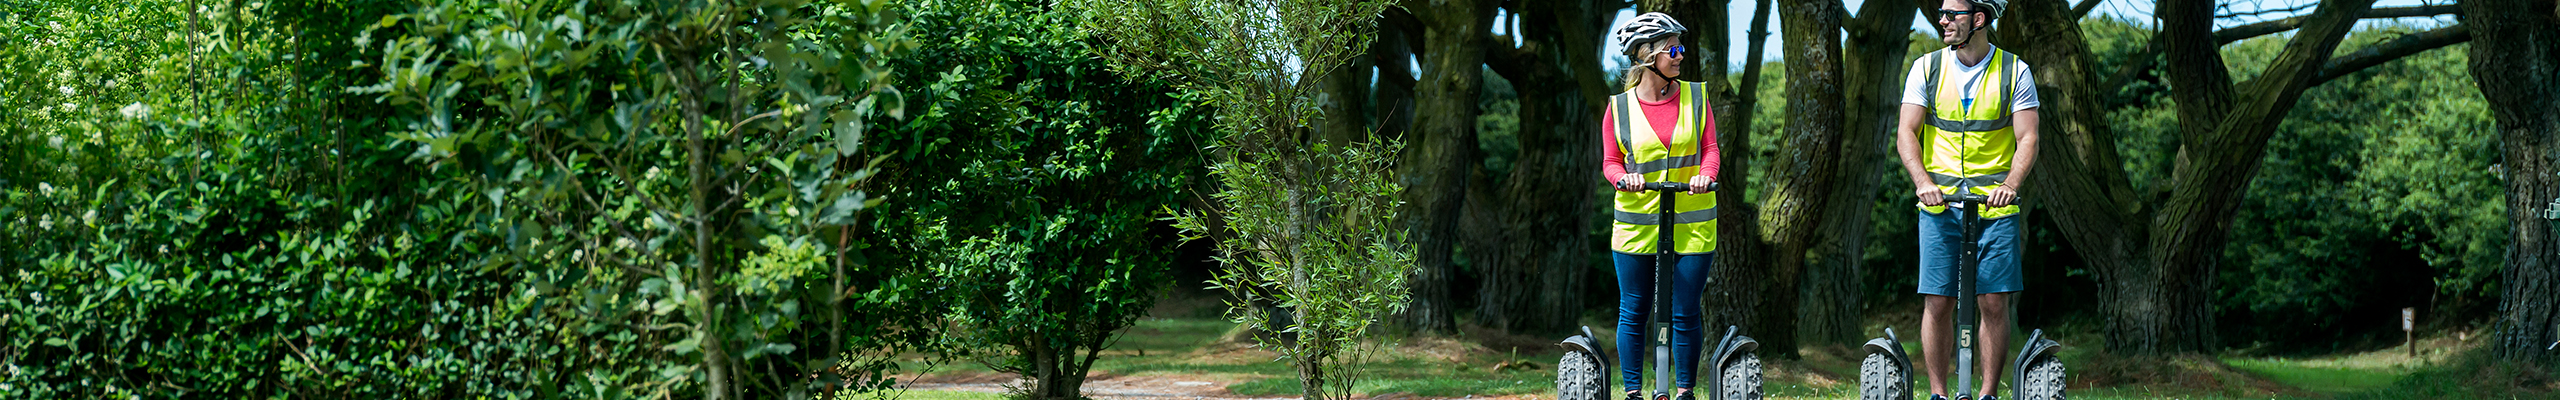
[{"x": 1678, "y": 51}]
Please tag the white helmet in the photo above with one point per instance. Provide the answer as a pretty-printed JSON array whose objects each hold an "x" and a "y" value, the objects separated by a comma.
[
  {"x": 1647, "y": 28},
  {"x": 1991, "y": 8}
]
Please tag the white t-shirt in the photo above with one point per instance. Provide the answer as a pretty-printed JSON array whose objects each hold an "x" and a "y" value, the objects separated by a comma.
[{"x": 1971, "y": 75}]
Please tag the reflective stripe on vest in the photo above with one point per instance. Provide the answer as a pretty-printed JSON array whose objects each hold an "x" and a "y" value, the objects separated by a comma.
[
  {"x": 1633, "y": 229},
  {"x": 1969, "y": 145}
]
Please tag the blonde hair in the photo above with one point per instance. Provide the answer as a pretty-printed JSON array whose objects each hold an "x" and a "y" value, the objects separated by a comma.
[{"x": 1634, "y": 74}]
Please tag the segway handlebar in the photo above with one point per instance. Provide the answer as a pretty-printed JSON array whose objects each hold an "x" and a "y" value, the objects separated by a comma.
[
  {"x": 1966, "y": 198},
  {"x": 1676, "y": 186}
]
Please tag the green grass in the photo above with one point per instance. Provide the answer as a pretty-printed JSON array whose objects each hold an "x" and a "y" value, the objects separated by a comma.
[
  {"x": 2328, "y": 380},
  {"x": 1189, "y": 348},
  {"x": 932, "y": 395},
  {"x": 1423, "y": 377}
]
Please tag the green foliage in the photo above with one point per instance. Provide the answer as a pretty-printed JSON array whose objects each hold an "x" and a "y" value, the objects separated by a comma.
[
  {"x": 1033, "y": 176},
  {"x": 1304, "y": 228},
  {"x": 2377, "y": 192},
  {"x": 2378, "y": 195},
  {"x": 585, "y": 200},
  {"x": 1331, "y": 279},
  {"x": 673, "y": 167}
]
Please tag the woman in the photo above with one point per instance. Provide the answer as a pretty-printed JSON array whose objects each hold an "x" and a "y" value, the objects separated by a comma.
[{"x": 1660, "y": 130}]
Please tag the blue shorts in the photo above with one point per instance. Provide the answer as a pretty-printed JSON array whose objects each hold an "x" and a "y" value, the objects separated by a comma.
[{"x": 1942, "y": 238}]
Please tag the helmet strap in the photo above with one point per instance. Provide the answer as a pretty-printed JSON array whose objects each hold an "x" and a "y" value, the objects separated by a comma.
[{"x": 1666, "y": 80}]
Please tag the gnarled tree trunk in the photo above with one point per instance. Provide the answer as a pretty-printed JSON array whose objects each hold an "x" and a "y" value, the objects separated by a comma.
[
  {"x": 1542, "y": 214},
  {"x": 2156, "y": 259},
  {"x": 1441, "y": 151},
  {"x": 2515, "y": 57},
  {"x": 1878, "y": 40}
]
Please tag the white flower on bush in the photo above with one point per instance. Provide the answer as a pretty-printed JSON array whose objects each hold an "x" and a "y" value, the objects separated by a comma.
[
  {"x": 66, "y": 91},
  {"x": 137, "y": 110}
]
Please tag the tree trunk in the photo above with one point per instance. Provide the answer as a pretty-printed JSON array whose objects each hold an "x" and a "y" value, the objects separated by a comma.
[
  {"x": 2515, "y": 57},
  {"x": 1878, "y": 40},
  {"x": 1442, "y": 151},
  {"x": 1801, "y": 179},
  {"x": 1343, "y": 99},
  {"x": 1536, "y": 269},
  {"x": 1391, "y": 103},
  {"x": 2157, "y": 264}
]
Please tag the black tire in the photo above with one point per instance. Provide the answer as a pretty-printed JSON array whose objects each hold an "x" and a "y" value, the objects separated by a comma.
[
  {"x": 1880, "y": 378},
  {"x": 1578, "y": 377},
  {"x": 2044, "y": 380},
  {"x": 1741, "y": 378}
]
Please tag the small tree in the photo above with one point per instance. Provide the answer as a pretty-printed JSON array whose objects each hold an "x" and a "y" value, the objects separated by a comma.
[
  {"x": 1303, "y": 225},
  {"x": 1033, "y": 175}
]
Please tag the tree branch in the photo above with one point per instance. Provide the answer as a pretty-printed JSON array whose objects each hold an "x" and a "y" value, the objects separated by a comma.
[
  {"x": 2244, "y": 32},
  {"x": 2396, "y": 48},
  {"x": 2264, "y": 12},
  {"x": 2082, "y": 10},
  {"x": 2134, "y": 67}
]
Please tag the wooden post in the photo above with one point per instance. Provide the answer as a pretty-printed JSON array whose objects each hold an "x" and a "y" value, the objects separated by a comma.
[{"x": 2408, "y": 325}]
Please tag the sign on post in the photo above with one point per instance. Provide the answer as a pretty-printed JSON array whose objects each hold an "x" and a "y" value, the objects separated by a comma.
[{"x": 2408, "y": 327}]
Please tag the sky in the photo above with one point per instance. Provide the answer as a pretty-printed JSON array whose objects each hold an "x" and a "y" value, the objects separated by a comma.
[{"x": 2137, "y": 10}]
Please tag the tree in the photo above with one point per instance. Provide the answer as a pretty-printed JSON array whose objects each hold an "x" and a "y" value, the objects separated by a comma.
[
  {"x": 1034, "y": 177},
  {"x": 1535, "y": 256},
  {"x": 2157, "y": 257},
  {"x": 1879, "y": 39},
  {"x": 1305, "y": 227},
  {"x": 1760, "y": 255},
  {"x": 1441, "y": 150},
  {"x": 2514, "y": 56}
]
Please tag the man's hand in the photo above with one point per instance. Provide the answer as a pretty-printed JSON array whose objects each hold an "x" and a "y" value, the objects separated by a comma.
[
  {"x": 1631, "y": 183},
  {"x": 2002, "y": 195},
  {"x": 1929, "y": 196},
  {"x": 1698, "y": 184}
]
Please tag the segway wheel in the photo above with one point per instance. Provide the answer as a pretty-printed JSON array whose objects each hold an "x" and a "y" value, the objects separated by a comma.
[
  {"x": 1879, "y": 378},
  {"x": 1741, "y": 378},
  {"x": 2044, "y": 380},
  {"x": 1578, "y": 377}
]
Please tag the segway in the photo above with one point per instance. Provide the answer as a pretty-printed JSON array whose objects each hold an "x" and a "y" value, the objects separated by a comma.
[
  {"x": 1584, "y": 371},
  {"x": 2036, "y": 374}
]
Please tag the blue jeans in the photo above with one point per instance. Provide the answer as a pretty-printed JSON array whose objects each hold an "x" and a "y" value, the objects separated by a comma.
[
  {"x": 1635, "y": 288},
  {"x": 1942, "y": 239}
]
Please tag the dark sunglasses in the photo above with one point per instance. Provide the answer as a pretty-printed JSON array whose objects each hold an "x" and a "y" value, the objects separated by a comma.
[
  {"x": 1678, "y": 51},
  {"x": 1946, "y": 13}
]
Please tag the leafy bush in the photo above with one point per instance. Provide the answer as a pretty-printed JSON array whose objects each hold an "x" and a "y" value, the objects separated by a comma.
[
  {"x": 215, "y": 213},
  {"x": 1030, "y": 179}
]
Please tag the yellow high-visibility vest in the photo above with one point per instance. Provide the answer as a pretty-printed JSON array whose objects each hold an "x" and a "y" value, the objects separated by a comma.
[
  {"x": 1969, "y": 146},
  {"x": 1694, "y": 222}
]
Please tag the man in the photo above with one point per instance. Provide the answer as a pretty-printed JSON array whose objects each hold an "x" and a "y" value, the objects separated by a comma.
[{"x": 1968, "y": 123}]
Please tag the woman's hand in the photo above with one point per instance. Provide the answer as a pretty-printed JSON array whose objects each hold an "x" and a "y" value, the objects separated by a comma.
[
  {"x": 1698, "y": 184},
  {"x": 1631, "y": 183}
]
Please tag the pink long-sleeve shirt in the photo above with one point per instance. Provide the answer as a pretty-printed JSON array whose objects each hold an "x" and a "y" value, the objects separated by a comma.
[{"x": 1662, "y": 116}]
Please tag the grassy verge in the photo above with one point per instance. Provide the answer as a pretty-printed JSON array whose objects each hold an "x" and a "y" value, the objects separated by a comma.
[{"x": 1194, "y": 349}]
